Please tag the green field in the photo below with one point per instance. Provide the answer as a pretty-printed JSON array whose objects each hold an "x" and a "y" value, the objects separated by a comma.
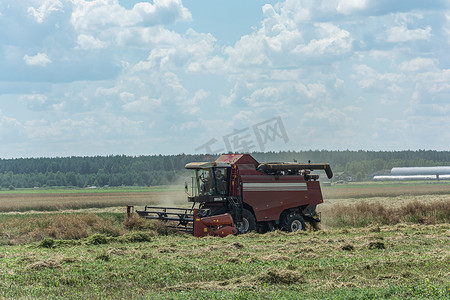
[
  {"x": 392, "y": 243},
  {"x": 402, "y": 261}
]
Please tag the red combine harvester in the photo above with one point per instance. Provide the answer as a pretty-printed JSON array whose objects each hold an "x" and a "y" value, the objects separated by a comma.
[{"x": 236, "y": 194}]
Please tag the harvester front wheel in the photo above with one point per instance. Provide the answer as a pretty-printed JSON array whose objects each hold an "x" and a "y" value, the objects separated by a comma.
[
  {"x": 293, "y": 222},
  {"x": 248, "y": 223}
]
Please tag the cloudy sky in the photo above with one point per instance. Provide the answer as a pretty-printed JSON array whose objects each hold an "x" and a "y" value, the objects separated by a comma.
[{"x": 105, "y": 77}]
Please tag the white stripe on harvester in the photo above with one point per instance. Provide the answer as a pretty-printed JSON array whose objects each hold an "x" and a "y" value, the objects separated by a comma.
[{"x": 274, "y": 186}]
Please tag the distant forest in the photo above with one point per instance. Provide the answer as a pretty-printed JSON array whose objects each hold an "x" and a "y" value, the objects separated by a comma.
[{"x": 151, "y": 170}]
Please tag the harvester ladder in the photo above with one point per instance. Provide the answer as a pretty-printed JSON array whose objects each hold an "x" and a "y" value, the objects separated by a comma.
[{"x": 236, "y": 206}]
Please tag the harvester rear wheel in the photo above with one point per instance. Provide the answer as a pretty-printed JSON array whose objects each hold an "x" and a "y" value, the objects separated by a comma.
[
  {"x": 293, "y": 222},
  {"x": 248, "y": 223}
]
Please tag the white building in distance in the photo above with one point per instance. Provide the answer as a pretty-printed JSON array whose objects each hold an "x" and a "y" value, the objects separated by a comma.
[{"x": 416, "y": 173}]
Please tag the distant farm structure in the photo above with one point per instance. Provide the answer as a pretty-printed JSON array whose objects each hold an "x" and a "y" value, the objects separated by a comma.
[{"x": 416, "y": 173}]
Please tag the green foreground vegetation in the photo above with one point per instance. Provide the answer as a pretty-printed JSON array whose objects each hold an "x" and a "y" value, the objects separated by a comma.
[{"x": 397, "y": 262}]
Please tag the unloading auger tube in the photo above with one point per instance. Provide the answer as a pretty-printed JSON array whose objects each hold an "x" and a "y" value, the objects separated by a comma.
[{"x": 273, "y": 167}]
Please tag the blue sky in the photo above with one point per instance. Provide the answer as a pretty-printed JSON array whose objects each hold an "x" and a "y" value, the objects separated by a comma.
[{"x": 105, "y": 77}]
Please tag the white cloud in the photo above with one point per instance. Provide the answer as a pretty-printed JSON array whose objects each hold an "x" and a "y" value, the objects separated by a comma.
[
  {"x": 11, "y": 132},
  {"x": 40, "y": 59},
  {"x": 189, "y": 125},
  {"x": 107, "y": 91},
  {"x": 319, "y": 10},
  {"x": 443, "y": 109},
  {"x": 244, "y": 117},
  {"x": 312, "y": 90},
  {"x": 192, "y": 52},
  {"x": 390, "y": 129},
  {"x": 143, "y": 104},
  {"x": 6, "y": 123},
  {"x": 446, "y": 26},
  {"x": 403, "y": 34},
  {"x": 349, "y": 6},
  {"x": 287, "y": 38},
  {"x": 264, "y": 97},
  {"x": 418, "y": 64},
  {"x": 34, "y": 98},
  {"x": 371, "y": 80},
  {"x": 86, "y": 42},
  {"x": 162, "y": 12},
  {"x": 127, "y": 96},
  {"x": 46, "y": 8},
  {"x": 100, "y": 15},
  {"x": 35, "y": 102},
  {"x": 435, "y": 82},
  {"x": 240, "y": 89},
  {"x": 43, "y": 129},
  {"x": 332, "y": 40},
  {"x": 269, "y": 45},
  {"x": 381, "y": 54},
  {"x": 330, "y": 115},
  {"x": 86, "y": 127},
  {"x": 191, "y": 105}
]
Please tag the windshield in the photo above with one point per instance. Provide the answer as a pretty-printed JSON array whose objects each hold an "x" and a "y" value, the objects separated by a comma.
[{"x": 212, "y": 181}]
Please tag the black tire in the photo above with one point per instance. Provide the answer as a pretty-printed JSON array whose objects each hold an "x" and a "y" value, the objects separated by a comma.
[
  {"x": 293, "y": 222},
  {"x": 248, "y": 223}
]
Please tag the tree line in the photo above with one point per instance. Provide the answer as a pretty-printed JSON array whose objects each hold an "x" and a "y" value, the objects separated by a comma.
[{"x": 153, "y": 170}]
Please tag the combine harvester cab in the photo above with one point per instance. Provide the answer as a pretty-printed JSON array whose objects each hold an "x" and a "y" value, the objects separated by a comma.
[{"x": 236, "y": 194}]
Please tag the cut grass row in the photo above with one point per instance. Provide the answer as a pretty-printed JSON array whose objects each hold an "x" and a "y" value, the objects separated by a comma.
[{"x": 400, "y": 261}]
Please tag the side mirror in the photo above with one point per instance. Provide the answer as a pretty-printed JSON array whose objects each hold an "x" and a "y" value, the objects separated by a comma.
[{"x": 186, "y": 188}]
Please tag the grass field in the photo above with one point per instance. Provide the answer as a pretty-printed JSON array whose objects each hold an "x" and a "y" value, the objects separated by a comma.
[
  {"x": 401, "y": 261},
  {"x": 377, "y": 241}
]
